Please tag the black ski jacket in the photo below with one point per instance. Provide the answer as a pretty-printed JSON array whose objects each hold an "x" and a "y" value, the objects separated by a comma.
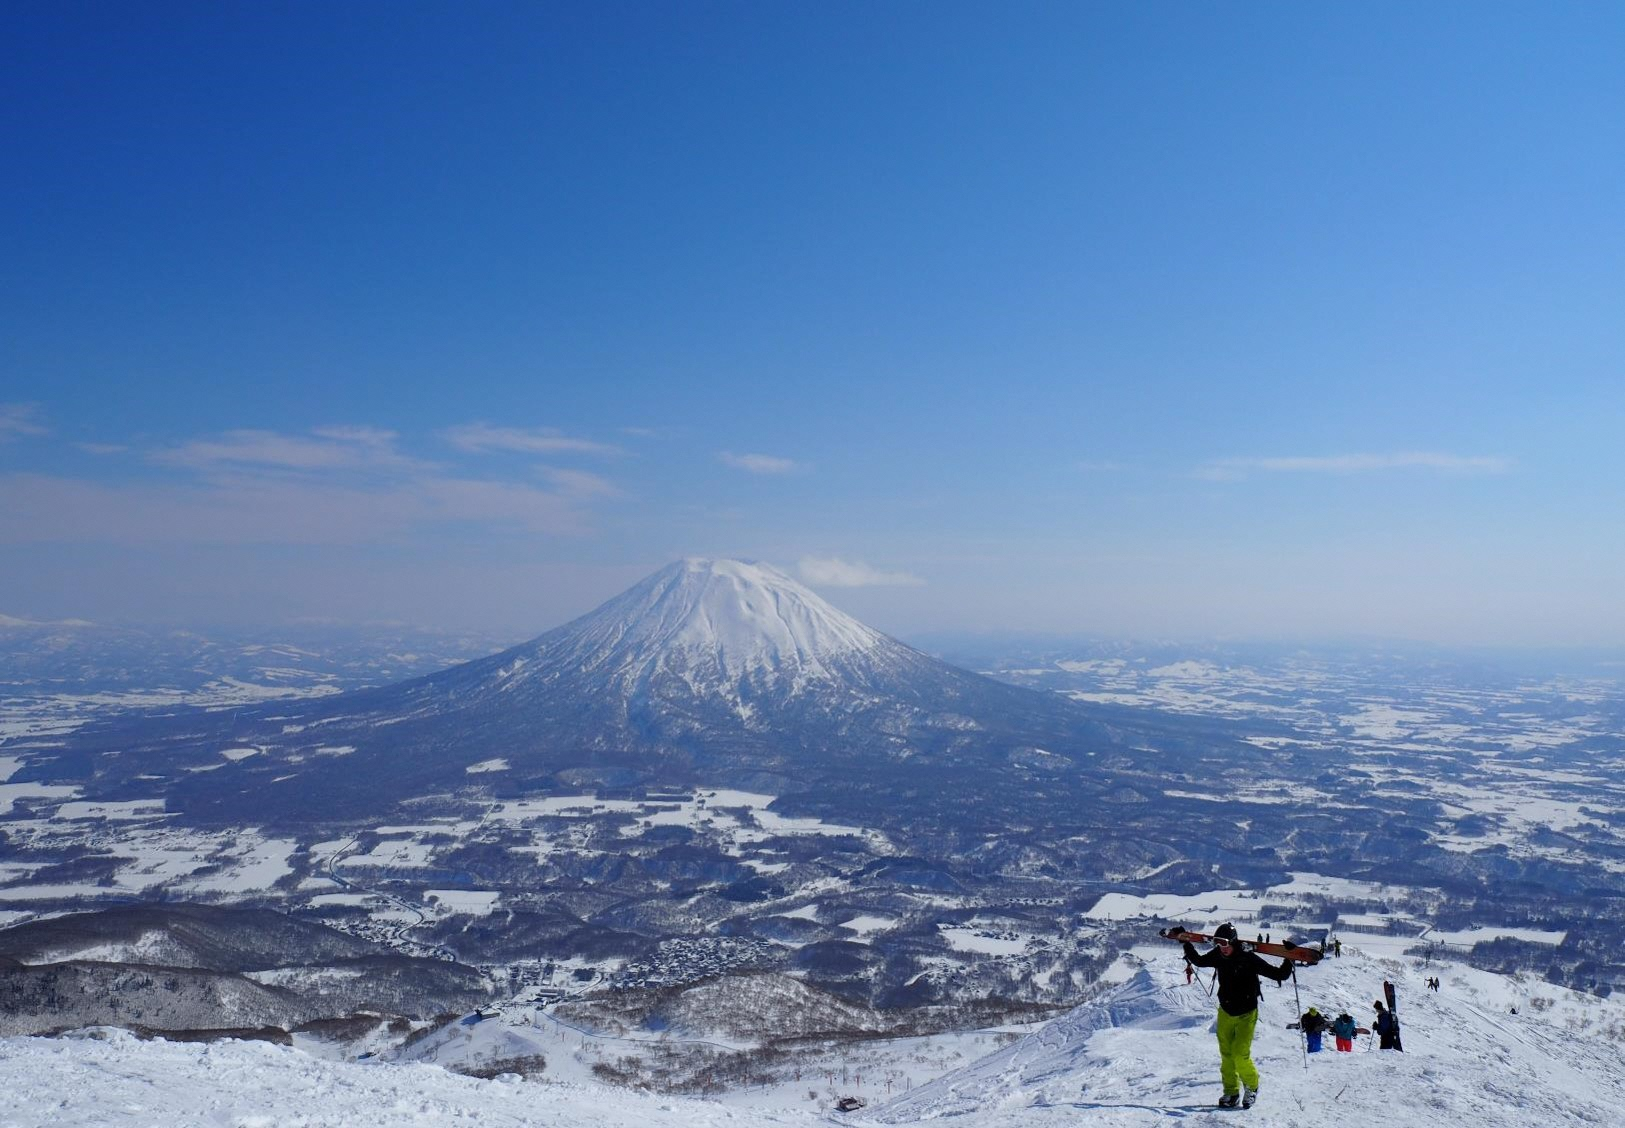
[{"x": 1238, "y": 976}]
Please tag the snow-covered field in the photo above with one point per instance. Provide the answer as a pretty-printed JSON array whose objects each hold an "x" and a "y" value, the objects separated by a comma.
[
  {"x": 1532, "y": 767},
  {"x": 1140, "y": 1054}
]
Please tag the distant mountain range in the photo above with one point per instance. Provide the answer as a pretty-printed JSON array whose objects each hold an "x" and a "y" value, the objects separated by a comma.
[
  {"x": 708, "y": 672},
  {"x": 74, "y": 656}
]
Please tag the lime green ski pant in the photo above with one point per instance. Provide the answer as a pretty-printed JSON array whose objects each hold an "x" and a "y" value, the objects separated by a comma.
[{"x": 1236, "y": 1066}]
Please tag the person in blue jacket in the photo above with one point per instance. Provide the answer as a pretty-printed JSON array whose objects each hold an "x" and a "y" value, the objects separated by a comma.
[{"x": 1343, "y": 1029}]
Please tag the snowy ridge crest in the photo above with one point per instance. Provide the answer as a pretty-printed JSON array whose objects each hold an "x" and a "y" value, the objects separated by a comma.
[
  {"x": 1142, "y": 1055},
  {"x": 1049, "y": 1054}
]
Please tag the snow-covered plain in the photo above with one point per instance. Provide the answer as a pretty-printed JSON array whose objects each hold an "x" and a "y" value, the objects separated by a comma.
[
  {"x": 1140, "y": 1054},
  {"x": 1523, "y": 767}
]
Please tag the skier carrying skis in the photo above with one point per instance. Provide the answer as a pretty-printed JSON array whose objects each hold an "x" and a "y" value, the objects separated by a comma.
[{"x": 1237, "y": 970}]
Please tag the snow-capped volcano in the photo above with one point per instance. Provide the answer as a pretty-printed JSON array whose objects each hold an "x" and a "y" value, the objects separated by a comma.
[
  {"x": 736, "y": 620},
  {"x": 699, "y": 633},
  {"x": 714, "y": 672}
]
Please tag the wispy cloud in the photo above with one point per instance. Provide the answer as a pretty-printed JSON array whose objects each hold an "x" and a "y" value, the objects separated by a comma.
[
  {"x": 499, "y": 503},
  {"x": 375, "y": 437},
  {"x": 580, "y": 483},
  {"x": 19, "y": 419},
  {"x": 102, "y": 448},
  {"x": 269, "y": 510},
  {"x": 759, "y": 463},
  {"x": 1232, "y": 469},
  {"x": 324, "y": 448},
  {"x": 336, "y": 484},
  {"x": 479, "y": 438},
  {"x": 830, "y": 571}
]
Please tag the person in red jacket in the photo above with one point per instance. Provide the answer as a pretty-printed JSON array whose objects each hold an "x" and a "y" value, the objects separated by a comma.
[
  {"x": 1237, "y": 969},
  {"x": 1343, "y": 1029}
]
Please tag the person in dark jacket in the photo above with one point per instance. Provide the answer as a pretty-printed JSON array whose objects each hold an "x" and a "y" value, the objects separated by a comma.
[
  {"x": 1313, "y": 1024},
  {"x": 1237, "y": 970},
  {"x": 1386, "y": 1028},
  {"x": 1343, "y": 1029}
]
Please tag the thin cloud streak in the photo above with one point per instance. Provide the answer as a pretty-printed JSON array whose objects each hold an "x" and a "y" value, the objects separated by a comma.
[
  {"x": 41, "y": 509},
  {"x": 330, "y": 448},
  {"x": 831, "y": 571},
  {"x": 1232, "y": 469},
  {"x": 336, "y": 484},
  {"x": 580, "y": 484},
  {"x": 480, "y": 438},
  {"x": 376, "y": 437},
  {"x": 18, "y": 420},
  {"x": 759, "y": 463}
]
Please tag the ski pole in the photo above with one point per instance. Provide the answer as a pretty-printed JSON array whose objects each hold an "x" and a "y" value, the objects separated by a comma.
[{"x": 1297, "y": 1001}]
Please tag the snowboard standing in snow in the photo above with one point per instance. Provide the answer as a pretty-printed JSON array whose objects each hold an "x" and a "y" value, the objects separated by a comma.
[
  {"x": 1386, "y": 1027},
  {"x": 1237, "y": 968},
  {"x": 1393, "y": 1010}
]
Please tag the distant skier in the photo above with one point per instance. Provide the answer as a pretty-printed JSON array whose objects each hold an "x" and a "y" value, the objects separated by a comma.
[
  {"x": 1337, "y": 948},
  {"x": 1386, "y": 1028},
  {"x": 1343, "y": 1029},
  {"x": 1237, "y": 971}
]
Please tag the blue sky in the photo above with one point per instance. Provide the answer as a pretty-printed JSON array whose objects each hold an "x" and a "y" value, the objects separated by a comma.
[{"x": 1256, "y": 320}]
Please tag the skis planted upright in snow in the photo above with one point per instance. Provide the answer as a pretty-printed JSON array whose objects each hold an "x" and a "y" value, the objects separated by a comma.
[{"x": 1297, "y": 953}]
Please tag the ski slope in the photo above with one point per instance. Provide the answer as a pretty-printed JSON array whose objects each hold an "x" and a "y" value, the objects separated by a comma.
[
  {"x": 1140, "y": 1054},
  {"x": 1145, "y": 1054}
]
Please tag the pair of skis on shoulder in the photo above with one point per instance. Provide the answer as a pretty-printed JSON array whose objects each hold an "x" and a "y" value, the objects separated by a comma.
[{"x": 1297, "y": 953}]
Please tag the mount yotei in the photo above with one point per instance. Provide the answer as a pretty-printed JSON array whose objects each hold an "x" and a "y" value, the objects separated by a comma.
[
  {"x": 709, "y": 672},
  {"x": 718, "y": 774}
]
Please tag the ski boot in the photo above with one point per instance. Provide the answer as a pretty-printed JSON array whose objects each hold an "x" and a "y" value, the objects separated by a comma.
[
  {"x": 1230, "y": 1100},
  {"x": 1248, "y": 1096}
]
